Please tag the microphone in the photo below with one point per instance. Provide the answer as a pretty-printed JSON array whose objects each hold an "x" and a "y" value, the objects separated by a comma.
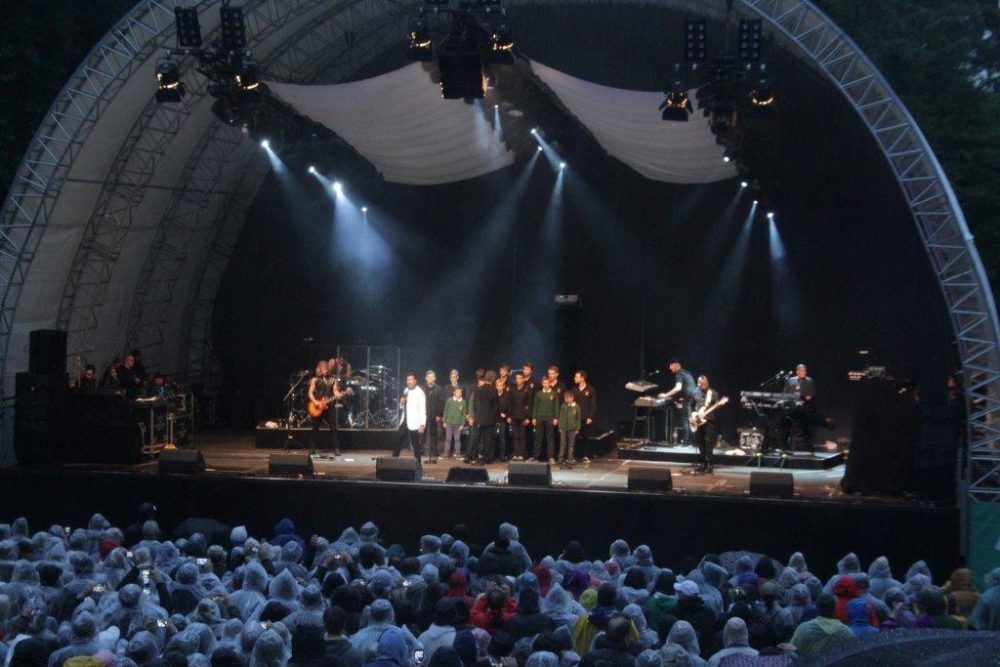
[{"x": 656, "y": 372}]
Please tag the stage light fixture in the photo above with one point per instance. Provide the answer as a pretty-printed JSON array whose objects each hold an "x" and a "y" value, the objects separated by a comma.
[
  {"x": 169, "y": 87},
  {"x": 338, "y": 187},
  {"x": 754, "y": 202},
  {"x": 770, "y": 215},
  {"x": 234, "y": 33},
  {"x": 751, "y": 38},
  {"x": 743, "y": 184},
  {"x": 421, "y": 47},
  {"x": 534, "y": 130},
  {"x": 502, "y": 45},
  {"x": 265, "y": 144},
  {"x": 726, "y": 159},
  {"x": 364, "y": 209},
  {"x": 562, "y": 165},
  {"x": 188, "y": 27},
  {"x": 539, "y": 150},
  {"x": 696, "y": 40},
  {"x": 312, "y": 170},
  {"x": 677, "y": 106},
  {"x": 248, "y": 77},
  {"x": 762, "y": 94}
]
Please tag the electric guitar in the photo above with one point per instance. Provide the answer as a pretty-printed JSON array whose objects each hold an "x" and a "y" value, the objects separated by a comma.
[
  {"x": 697, "y": 418},
  {"x": 317, "y": 408}
]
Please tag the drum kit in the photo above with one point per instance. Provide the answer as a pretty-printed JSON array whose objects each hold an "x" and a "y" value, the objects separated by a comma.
[{"x": 370, "y": 400}]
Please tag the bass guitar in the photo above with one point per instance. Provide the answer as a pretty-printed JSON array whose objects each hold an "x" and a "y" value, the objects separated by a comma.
[{"x": 697, "y": 418}]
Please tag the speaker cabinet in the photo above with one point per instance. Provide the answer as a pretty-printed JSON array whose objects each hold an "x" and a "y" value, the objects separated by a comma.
[
  {"x": 393, "y": 469},
  {"x": 40, "y": 427},
  {"x": 290, "y": 464},
  {"x": 771, "y": 484},
  {"x": 183, "y": 461},
  {"x": 460, "y": 475},
  {"x": 650, "y": 479},
  {"x": 529, "y": 474},
  {"x": 47, "y": 351}
]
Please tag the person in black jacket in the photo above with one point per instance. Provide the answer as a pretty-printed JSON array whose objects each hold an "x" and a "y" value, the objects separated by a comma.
[
  {"x": 503, "y": 409},
  {"x": 529, "y": 620},
  {"x": 339, "y": 651},
  {"x": 586, "y": 397},
  {"x": 484, "y": 421},
  {"x": 435, "y": 414},
  {"x": 519, "y": 415}
]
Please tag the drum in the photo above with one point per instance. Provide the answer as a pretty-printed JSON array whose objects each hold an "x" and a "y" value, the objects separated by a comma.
[{"x": 751, "y": 439}]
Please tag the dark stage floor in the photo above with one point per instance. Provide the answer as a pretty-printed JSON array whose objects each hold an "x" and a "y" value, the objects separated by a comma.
[{"x": 234, "y": 453}]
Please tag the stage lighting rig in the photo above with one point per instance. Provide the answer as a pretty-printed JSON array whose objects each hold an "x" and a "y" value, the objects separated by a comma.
[
  {"x": 233, "y": 74},
  {"x": 677, "y": 106},
  {"x": 466, "y": 40}
]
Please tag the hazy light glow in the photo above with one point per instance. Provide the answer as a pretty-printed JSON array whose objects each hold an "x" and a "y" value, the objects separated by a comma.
[{"x": 265, "y": 144}]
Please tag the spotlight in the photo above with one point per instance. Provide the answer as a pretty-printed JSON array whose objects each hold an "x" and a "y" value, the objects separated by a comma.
[
  {"x": 726, "y": 158},
  {"x": 188, "y": 27},
  {"x": 770, "y": 215},
  {"x": 248, "y": 78},
  {"x": 265, "y": 144},
  {"x": 364, "y": 209},
  {"x": 534, "y": 130},
  {"x": 743, "y": 184},
  {"x": 762, "y": 94},
  {"x": 312, "y": 170},
  {"x": 337, "y": 187},
  {"x": 501, "y": 45},
  {"x": 677, "y": 106},
  {"x": 539, "y": 150},
  {"x": 754, "y": 202},
  {"x": 562, "y": 165},
  {"x": 168, "y": 82},
  {"x": 421, "y": 45}
]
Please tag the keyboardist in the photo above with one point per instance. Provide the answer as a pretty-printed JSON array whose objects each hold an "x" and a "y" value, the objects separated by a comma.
[
  {"x": 799, "y": 421},
  {"x": 683, "y": 392}
]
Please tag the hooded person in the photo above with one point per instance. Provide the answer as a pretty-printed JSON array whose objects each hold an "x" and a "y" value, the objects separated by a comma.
[
  {"x": 250, "y": 598},
  {"x": 284, "y": 590},
  {"x": 572, "y": 558},
  {"x": 621, "y": 553},
  {"x": 542, "y": 659},
  {"x": 290, "y": 558},
  {"x": 529, "y": 619},
  {"x": 799, "y": 601},
  {"x": 798, "y": 563},
  {"x": 822, "y": 634},
  {"x": 576, "y": 582},
  {"x": 392, "y": 650},
  {"x": 270, "y": 650},
  {"x": 683, "y": 634},
  {"x": 880, "y": 577},
  {"x": 935, "y": 611},
  {"x": 230, "y": 633},
  {"x": 512, "y": 535},
  {"x": 306, "y": 626},
  {"x": 284, "y": 532},
  {"x": 960, "y": 585},
  {"x": 430, "y": 553},
  {"x": 986, "y": 614},
  {"x": 349, "y": 541},
  {"x": 83, "y": 641},
  {"x": 369, "y": 535},
  {"x": 663, "y": 599},
  {"x": 143, "y": 648},
  {"x": 441, "y": 632},
  {"x": 920, "y": 567},
  {"x": 186, "y": 591},
  {"x": 647, "y": 637},
  {"x": 467, "y": 648},
  {"x": 644, "y": 561},
  {"x": 248, "y": 637},
  {"x": 846, "y": 589},
  {"x": 588, "y": 626},
  {"x": 915, "y": 584},
  {"x": 24, "y": 587},
  {"x": 735, "y": 641},
  {"x": 127, "y": 610},
  {"x": 458, "y": 554},
  {"x": 380, "y": 616},
  {"x": 443, "y": 656},
  {"x": 713, "y": 579},
  {"x": 560, "y": 606},
  {"x": 848, "y": 565},
  {"x": 857, "y": 614},
  {"x": 493, "y": 610}
]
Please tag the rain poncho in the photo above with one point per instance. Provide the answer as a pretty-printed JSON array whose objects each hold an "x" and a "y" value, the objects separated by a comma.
[
  {"x": 561, "y": 607},
  {"x": 682, "y": 634},
  {"x": 270, "y": 650},
  {"x": 986, "y": 614},
  {"x": 250, "y": 598},
  {"x": 880, "y": 577},
  {"x": 736, "y": 641}
]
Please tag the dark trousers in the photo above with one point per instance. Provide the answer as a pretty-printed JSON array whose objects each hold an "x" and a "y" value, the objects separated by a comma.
[
  {"x": 545, "y": 433},
  {"x": 329, "y": 417},
  {"x": 706, "y": 436},
  {"x": 584, "y": 443},
  {"x": 473, "y": 447},
  {"x": 799, "y": 430},
  {"x": 432, "y": 434},
  {"x": 682, "y": 418},
  {"x": 519, "y": 431},
  {"x": 413, "y": 439},
  {"x": 501, "y": 432},
  {"x": 488, "y": 442}
]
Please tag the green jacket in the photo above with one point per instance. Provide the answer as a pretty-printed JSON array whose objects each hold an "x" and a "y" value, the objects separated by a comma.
[
  {"x": 569, "y": 417},
  {"x": 455, "y": 412},
  {"x": 546, "y": 405}
]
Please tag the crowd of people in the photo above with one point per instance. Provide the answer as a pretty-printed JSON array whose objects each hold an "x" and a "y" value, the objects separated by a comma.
[{"x": 211, "y": 595}]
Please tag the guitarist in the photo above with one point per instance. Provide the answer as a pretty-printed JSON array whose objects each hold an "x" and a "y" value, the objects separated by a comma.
[
  {"x": 706, "y": 434},
  {"x": 324, "y": 392}
]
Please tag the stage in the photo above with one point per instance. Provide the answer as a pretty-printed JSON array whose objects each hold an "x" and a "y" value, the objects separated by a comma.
[{"x": 703, "y": 513}]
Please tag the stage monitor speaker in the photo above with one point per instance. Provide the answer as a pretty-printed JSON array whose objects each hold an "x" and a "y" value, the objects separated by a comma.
[
  {"x": 468, "y": 476},
  {"x": 392, "y": 469},
  {"x": 650, "y": 478},
  {"x": 47, "y": 351},
  {"x": 529, "y": 474},
  {"x": 771, "y": 484},
  {"x": 183, "y": 461},
  {"x": 290, "y": 464}
]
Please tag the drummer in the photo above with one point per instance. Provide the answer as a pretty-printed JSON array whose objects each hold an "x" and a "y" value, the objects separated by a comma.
[{"x": 340, "y": 368}]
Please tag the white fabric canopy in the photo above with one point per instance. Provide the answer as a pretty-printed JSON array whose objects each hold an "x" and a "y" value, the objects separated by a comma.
[
  {"x": 627, "y": 124},
  {"x": 400, "y": 123}
]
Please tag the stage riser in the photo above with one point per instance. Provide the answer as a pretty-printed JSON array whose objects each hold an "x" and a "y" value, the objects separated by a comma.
[
  {"x": 790, "y": 463},
  {"x": 673, "y": 525}
]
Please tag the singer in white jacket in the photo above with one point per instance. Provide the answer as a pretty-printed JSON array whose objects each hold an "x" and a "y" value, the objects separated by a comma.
[{"x": 413, "y": 425}]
